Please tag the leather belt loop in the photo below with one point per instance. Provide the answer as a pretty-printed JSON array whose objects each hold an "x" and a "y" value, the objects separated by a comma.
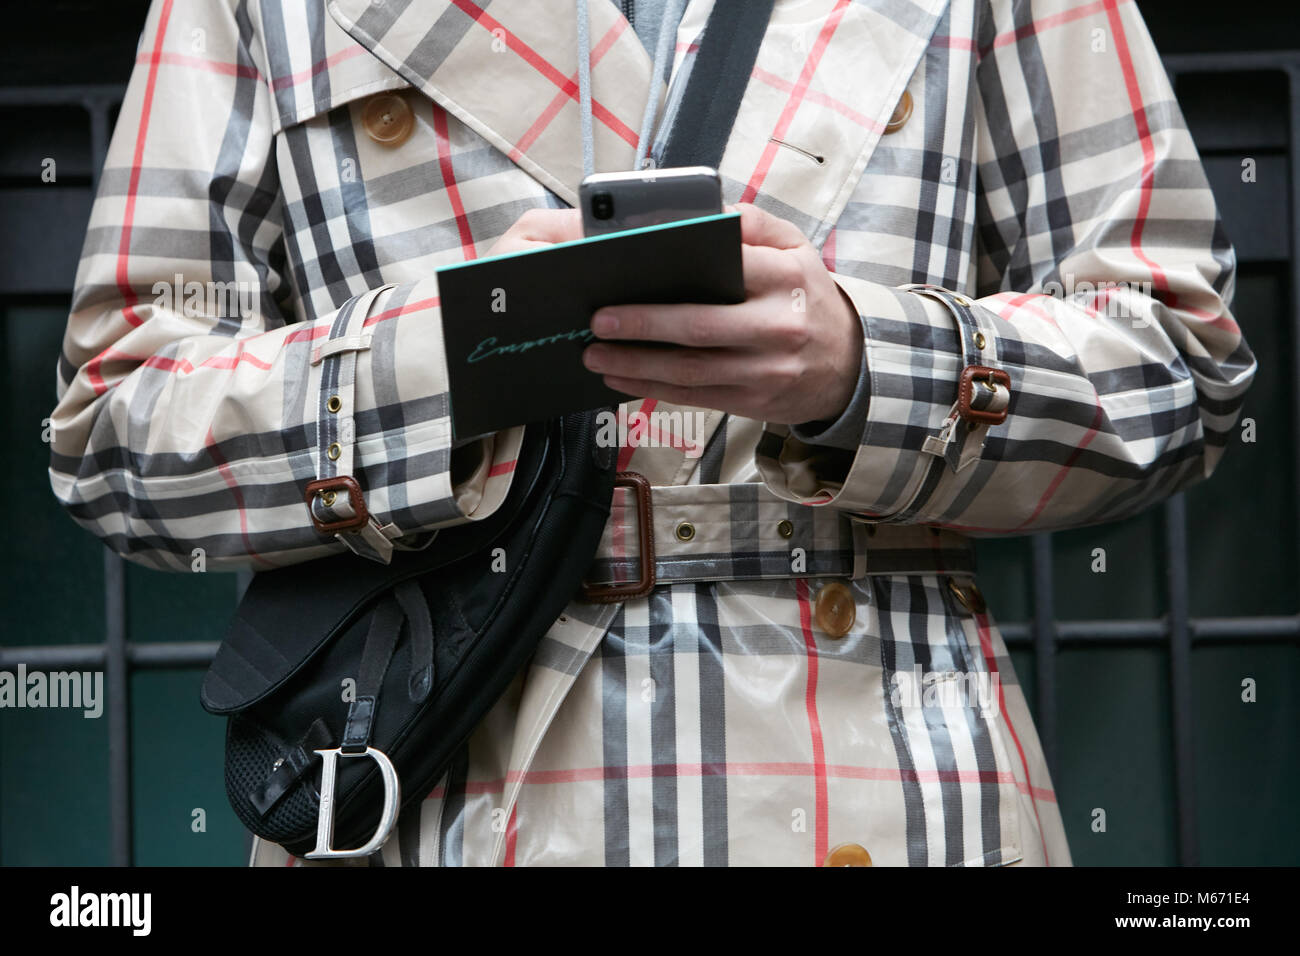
[{"x": 613, "y": 593}]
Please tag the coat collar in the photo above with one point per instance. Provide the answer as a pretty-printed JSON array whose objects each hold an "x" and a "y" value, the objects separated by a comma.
[
  {"x": 827, "y": 78},
  {"x": 509, "y": 72}
]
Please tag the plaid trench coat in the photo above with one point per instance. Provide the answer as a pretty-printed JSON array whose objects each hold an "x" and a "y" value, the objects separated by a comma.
[{"x": 1002, "y": 183}]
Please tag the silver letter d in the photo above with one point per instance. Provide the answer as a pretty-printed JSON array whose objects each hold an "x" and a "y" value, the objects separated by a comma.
[{"x": 325, "y": 820}]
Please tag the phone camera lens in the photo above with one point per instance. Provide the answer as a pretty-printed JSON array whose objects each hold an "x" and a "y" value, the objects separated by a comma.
[{"x": 602, "y": 206}]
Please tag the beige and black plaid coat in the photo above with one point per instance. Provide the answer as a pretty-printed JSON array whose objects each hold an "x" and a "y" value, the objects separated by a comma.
[{"x": 998, "y": 183}]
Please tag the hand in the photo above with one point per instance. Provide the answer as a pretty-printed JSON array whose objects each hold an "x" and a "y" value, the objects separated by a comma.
[
  {"x": 539, "y": 227},
  {"x": 790, "y": 353}
]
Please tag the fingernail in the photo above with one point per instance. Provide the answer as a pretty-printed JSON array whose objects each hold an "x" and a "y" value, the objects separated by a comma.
[
  {"x": 592, "y": 359},
  {"x": 602, "y": 323}
]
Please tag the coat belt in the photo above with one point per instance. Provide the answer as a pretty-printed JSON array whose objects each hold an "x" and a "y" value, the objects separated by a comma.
[{"x": 744, "y": 532}]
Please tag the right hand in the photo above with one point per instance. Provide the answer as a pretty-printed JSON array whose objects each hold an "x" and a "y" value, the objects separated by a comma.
[{"x": 539, "y": 227}]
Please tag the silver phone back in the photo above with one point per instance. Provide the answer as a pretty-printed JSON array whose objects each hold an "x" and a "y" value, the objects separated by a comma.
[{"x": 649, "y": 198}]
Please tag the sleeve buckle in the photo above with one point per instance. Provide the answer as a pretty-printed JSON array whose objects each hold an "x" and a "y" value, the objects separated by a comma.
[
  {"x": 986, "y": 404},
  {"x": 332, "y": 486}
]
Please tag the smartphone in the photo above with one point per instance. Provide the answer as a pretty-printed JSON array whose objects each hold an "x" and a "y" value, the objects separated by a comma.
[{"x": 612, "y": 202}]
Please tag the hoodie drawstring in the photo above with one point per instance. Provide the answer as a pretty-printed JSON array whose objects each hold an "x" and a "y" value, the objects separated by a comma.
[{"x": 672, "y": 15}]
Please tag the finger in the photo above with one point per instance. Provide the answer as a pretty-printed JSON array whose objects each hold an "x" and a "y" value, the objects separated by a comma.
[
  {"x": 509, "y": 244},
  {"x": 768, "y": 269},
  {"x": 761, "y": 228},
  {"x": 723, "y": 398},
  {"x": 700, "y": 326},
  {"x": 694, "y": 368},
  {"x": 549, "y": 225}
]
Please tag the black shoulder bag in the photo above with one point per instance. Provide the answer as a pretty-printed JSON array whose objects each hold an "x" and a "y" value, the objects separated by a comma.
[{"x": 433, "y": 639}]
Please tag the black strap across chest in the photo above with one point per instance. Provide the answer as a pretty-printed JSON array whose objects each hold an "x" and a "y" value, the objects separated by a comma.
[{"x": 711, "y": 100}]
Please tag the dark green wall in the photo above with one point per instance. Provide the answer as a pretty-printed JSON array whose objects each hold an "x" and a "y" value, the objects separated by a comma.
[{"x": 54, "y": 763}]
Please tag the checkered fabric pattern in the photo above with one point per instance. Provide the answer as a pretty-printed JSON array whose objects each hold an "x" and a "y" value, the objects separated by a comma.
[{"x": 1000, "y": 183}]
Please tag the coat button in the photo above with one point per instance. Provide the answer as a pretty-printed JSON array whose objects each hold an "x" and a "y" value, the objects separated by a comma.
[
  {"x": 835, "y": 612},
  {"x": 902, "y": 112},
  {"x": 847, "y": 854},
  {"x": 388, "y": 119}
]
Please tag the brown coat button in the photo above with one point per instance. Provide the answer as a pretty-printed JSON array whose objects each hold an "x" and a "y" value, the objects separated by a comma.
[
  {"x": 835, "y": 611},
  {"x": 902, "y": 112},
  {"x": 847, "y": 854},
  {"x": 388, "y": 119}
]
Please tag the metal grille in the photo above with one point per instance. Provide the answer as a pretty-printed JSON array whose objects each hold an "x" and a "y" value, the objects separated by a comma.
[{"x": 1043, "y": 634}]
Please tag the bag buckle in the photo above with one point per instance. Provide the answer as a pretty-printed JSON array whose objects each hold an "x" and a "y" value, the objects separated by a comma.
[
  {"x": 325, "y": 818},
  {"x": 993, "y": 410},
  {"x": 613, "y": 593},
  {"x": 327, "y": 488},
  {"x": 969, "y": 596}
]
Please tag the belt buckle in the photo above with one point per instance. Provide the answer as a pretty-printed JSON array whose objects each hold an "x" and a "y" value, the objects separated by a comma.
[
  {"x": 355, "y": 499},
  {"x": 613, "y": 593}
]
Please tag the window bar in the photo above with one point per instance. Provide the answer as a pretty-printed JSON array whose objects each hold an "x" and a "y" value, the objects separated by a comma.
[
  {"x": 160, "y": 655},
  {"x": 1043, "y": 629},
  {"x": 1155, "y": 633},
  {"x": 1180, "y": 667},
  {"x": 1180, "y": 679},
  {"x": 117, "y": 666},
  {"x": 1293, "y": 151},
  {"x": 117, "y": 681},
  {"x": 1205, "y": 632}
]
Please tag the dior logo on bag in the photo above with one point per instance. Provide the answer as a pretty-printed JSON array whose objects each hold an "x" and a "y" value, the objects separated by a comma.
[{"x": 325, "y": 820}]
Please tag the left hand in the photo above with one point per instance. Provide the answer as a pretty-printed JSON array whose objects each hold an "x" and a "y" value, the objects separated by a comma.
[{"x": 790, "y": 353}]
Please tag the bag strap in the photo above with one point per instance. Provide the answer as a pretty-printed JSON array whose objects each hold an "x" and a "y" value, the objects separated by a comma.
[{"x": 719, "y": 75}]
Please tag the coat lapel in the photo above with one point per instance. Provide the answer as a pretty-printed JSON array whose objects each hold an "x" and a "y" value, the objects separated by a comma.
[
  {"x": 826, "y": 81},
  {"x": 509, "y": 72}
]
